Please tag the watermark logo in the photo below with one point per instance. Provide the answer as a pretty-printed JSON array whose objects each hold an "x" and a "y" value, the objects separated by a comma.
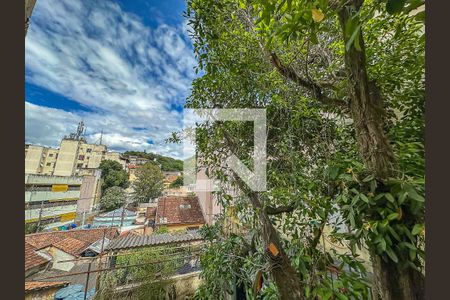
[{"x": 256, "y": 179}]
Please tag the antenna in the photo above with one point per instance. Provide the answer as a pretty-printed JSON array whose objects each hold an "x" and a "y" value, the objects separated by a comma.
[{"x": 101, "y": 137}]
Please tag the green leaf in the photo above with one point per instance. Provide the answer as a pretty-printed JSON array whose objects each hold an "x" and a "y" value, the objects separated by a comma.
[
  {"x": 382, "y": 244},
  {"x": 412, "y": 254},
  {"x": 402, "y": 198},
  {"x": 394, "y": 233},
  {"x": 392, "y": 255},
  {"x": 368, "y": 178},
  {"x": 413, "y": 194},
  {"x": 390, "y": 197},
  {"x": 364, "y": 198},
  {"x": 392, "y": 216},
  {"x": 418, "y": 228},
  {"x": 355, "y": 33},
  {"x": 395, "y": 6}
]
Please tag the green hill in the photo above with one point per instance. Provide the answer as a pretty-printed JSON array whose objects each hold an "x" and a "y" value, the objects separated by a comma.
[{"x": 167, "y": 163}]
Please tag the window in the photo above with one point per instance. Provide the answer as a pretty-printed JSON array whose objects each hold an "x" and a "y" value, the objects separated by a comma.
[
  {"x": 185, "y": 206},
  {"x": 163, "y": 220},
  {"x": 48, "y": 164},
  {"x": 50, "y": 155},
  {"x": 79, "y": 166},
  {"x": 89, "y": 150},
  {"x": 80, "y": 157}
]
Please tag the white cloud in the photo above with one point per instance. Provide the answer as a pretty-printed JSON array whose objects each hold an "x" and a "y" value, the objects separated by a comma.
[{"x": 108, "y": 60}]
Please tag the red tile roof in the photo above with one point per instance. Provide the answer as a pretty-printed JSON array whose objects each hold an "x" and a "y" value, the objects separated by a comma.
[
  {"x": 71, "y": 241},
  {"x": 45, "y": 239},
  {"x": 71, "y": 246},
  {"x": 179, "y": 210},
  {"x": 32, "y": 259},
  {"x": 41, "y": 285}
]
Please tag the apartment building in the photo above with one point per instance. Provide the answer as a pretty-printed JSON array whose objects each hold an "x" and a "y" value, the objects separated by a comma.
[
  {"x": 74, "y": 157},
  {"x": 58, "y": 200}
]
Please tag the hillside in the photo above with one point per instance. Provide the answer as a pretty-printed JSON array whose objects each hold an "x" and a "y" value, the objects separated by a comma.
[{"x": 167, "y": 163}]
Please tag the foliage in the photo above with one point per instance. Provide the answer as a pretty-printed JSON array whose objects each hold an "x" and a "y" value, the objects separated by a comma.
[
  {"x": 177, "y": 182},
  {"x": 167, "y": 163},
  {"x": 161, "y": 229},
  {"x": 113, "y": 174},
  {"x": 149, "y": 267},
  {"x": 32, "y": 228},
  {"x": 148, "y": 184},
  {"x": 113, "y": 198},
  {"x": 314, "y": 155}
]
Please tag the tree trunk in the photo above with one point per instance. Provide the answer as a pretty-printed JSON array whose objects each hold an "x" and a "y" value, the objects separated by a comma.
[
  {"x": 367, "y": 112},
  {"x": 393, "y": 284},
  {"x": 285, "y": 277}
]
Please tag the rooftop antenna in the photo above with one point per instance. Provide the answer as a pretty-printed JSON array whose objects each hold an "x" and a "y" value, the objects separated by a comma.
[{"x": 101, "y": 137}]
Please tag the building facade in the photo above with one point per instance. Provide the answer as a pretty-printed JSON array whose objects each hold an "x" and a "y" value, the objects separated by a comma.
[
  {"x": 74, "y": 157},
  {"x": 54, "y": 201}
]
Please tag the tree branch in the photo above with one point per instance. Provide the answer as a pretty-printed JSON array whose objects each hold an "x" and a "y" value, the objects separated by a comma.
[
  {"x": 290, "y": 74},
  {"x": 280, "y": 209}
]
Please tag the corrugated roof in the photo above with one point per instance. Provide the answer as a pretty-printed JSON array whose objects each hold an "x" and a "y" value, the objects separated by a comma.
[{"x": 136, "y": 241}]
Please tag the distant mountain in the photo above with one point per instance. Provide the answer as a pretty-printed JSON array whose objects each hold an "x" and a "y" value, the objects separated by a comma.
[{"x": 167, "y": 163}]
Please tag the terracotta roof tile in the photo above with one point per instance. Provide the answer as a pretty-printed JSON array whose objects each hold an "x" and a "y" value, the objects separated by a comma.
[
  {"x": 71, "y": 246},
  {"x": 40, "y": 285},
  {"x": 45, "y": 239},
  {"x": 32, "y": 259},
  {"x": 179, "y": 210},
  {"x": 71, "y": 241}
]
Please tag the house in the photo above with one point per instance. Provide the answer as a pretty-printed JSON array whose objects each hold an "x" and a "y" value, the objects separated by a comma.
[
  {"x": 43, "y": 290},
  {"x": 51, "y": 250},
  {"x": 179, "y": 213}
]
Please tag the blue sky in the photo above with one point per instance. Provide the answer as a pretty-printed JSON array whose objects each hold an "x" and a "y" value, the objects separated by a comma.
[{"x": 124, "y": 67}]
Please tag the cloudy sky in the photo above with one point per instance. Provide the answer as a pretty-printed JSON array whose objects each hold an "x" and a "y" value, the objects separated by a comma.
[{"x": 124, "y": 67}]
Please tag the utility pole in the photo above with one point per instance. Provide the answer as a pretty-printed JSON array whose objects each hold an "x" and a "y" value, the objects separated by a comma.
[{"x": 40, "y": 216}]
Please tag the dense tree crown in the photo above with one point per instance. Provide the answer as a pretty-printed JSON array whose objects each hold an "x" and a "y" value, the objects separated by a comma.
[
  {"x": 148, "y": 184},
  {"x": 342, "y": 83},
  {"x": 113, "y": 174},
  {"x": 113, "y": 198}
]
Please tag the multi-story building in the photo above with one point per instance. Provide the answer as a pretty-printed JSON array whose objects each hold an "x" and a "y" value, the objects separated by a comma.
[
  {"x": 74, "y": 157},
  {"x": 54, "y": 201}
]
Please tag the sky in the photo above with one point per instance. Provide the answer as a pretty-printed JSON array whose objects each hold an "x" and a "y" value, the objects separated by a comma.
[{"x": 122, "y": 67}]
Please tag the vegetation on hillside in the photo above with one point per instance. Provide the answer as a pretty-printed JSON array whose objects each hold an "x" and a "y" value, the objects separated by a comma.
[{"x": 167, "y": 163}]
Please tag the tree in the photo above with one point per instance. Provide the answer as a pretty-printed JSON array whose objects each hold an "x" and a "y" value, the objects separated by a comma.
[
  {"x": 177, "y": 182},
  {"x": 113, "y": 198},
  {"x": 149, "y": 268},
  {"x": 113, "y": 174},
  {"x": 148, "y": 184},
  {"x": 337, "y": 110}
]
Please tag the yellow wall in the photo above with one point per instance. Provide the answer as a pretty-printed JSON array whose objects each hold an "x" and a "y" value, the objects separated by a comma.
[
  {"x": 33, "y": 159},
  {"x": 67, "y": 158}
]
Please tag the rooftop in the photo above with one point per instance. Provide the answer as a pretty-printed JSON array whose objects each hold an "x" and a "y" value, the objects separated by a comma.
[
  {"x": 179, "y": 210},
  {"x": 42, "y": 285},
  {"x": 131, "y": 241}
]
